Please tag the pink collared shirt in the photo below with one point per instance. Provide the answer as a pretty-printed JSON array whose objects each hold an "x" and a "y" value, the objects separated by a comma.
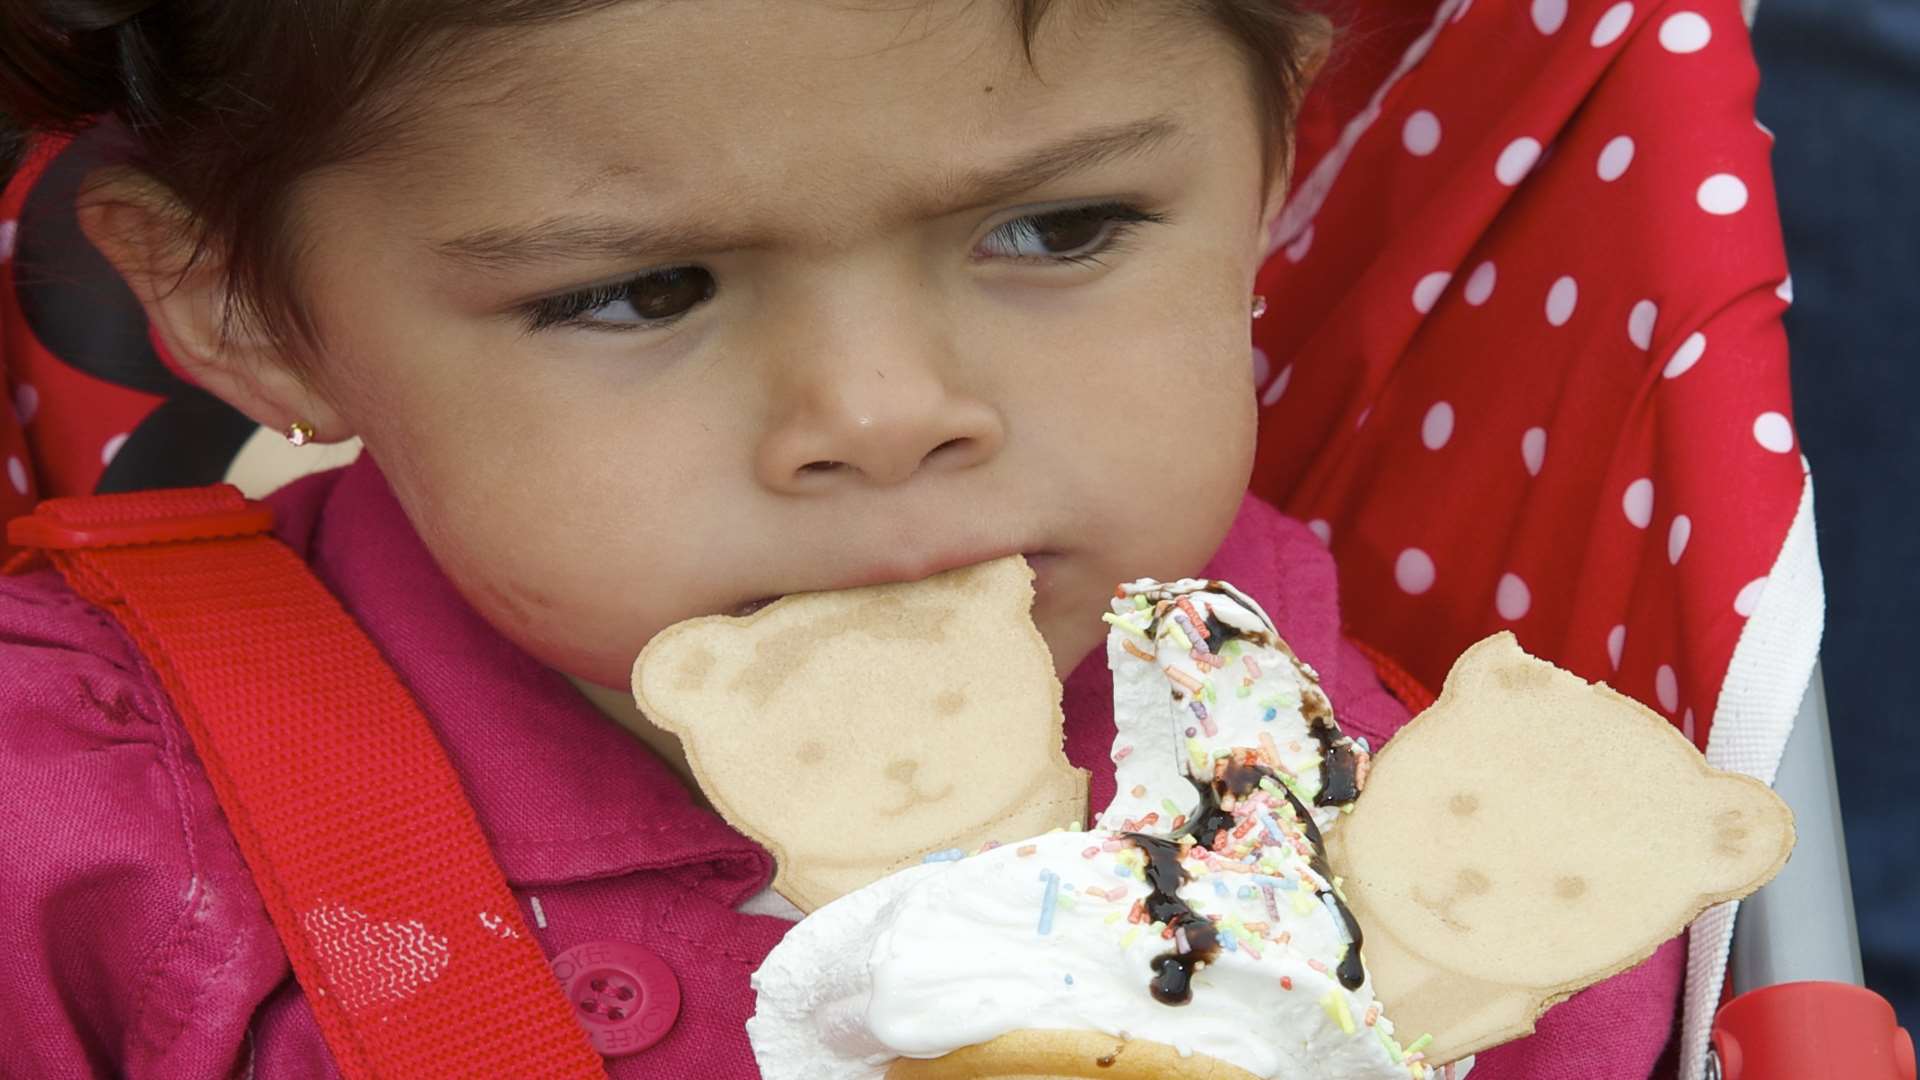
[{"x": 135, "y": 944}]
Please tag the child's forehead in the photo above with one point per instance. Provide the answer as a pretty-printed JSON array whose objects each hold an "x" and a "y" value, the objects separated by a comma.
[{"x": 702, "y": 98}]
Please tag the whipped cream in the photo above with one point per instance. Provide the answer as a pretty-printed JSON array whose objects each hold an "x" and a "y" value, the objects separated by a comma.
[{"x": 1200, "y": 913}]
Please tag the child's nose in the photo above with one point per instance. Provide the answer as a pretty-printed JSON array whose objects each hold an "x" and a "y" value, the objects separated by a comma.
[{"x": 864, "y": 421}]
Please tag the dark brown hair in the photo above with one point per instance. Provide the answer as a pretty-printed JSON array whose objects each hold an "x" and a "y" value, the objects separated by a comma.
[{"x": 228, "y": 103}]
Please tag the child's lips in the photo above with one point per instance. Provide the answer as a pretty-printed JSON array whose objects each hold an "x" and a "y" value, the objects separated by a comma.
[{"x": 1041, "y": 562}]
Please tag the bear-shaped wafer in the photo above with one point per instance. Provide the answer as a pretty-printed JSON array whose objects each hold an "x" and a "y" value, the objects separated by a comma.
[
  {"x": 855, "y": 732},
  {"x": 1531, "y": 834}
]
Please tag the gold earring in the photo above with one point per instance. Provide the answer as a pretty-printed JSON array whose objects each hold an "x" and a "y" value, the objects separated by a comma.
[
  {"x": 1259, "y": 305},
  {"x": 299, "y": 433}
]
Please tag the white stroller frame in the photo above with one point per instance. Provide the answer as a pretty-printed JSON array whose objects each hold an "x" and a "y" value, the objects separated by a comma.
[{"x": 1801, "y": 925}]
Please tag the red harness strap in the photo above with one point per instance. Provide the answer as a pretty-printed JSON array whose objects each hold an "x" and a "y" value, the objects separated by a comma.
[
  {"x": 1416, "y": 697},
  {"x": 399, "y": 924}
]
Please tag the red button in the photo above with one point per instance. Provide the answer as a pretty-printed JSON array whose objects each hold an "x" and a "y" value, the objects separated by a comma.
[{"x": 624, "y": 995}]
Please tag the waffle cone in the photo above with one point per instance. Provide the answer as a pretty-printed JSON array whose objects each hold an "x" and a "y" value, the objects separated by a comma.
[{"x": 1053, "y": 1055}]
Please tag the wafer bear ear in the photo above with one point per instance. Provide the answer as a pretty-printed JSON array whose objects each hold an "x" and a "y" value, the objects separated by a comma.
[
  {"x": 1740, "y": 845},
  {"x": 689, "y": 665},
  {"x": 1532, "y": 834}
]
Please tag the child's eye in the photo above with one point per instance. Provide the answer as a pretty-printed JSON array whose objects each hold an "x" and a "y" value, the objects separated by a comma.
[
  {"x": 653, "y": 300},
  {"x": 659, "y": 298},
  {"x": 1076, "y": 235}
]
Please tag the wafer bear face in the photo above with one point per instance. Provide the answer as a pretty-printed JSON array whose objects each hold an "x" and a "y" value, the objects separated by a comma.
[
  {"x": 853, "y": 732},
  {"x": 1531, "y": 834},
  {"x": 1490, "y": 905}
]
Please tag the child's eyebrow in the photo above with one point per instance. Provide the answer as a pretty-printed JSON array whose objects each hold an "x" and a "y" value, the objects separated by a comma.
[
  {"x": 1076, "y": 153},
  {"x": 598, "y": 237}
]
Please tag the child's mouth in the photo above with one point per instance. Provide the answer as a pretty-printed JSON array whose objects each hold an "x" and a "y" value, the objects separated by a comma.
[{"x": 1038, "y": 560}]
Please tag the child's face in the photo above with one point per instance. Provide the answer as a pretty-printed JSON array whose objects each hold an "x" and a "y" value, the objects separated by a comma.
[{"x": 851, "y": 362}]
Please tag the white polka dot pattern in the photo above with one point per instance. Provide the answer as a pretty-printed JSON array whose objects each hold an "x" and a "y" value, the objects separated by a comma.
[
  {"x": 1517, "y": 160},
  {"x": 1685, "y": 32},
  {"x": 1773, "y": 431},
  {"x": 1480, "y": 284},
  {"x": 1687, "y": 355},
  {"x": 1614, "y": 158},
  {"x": 1722, "y": 194},
  {"x": 1611, "y": 25},
  {"x": 1561, "y": 300},
  {"x": 1427, "y": 292},
  {"x": 1437, "y": 427},
  {"x": 1638, "y": 503},
  {"x": 1513, "y": 599},
  {"x": 1549, "y": 15},
  {"x": 1620, "y": 446},
  {"x": 1678, "y": 534},
  {"x": 1533, "y": 450},
  {"x": 1640, "y": 324},
  {"x": 1421, "y": 133},
  {"x": 1666, "y": 686},
  {"x": 1414, "y": 571}
]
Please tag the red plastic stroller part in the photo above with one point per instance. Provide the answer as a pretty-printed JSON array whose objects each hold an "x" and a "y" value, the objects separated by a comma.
[{"x": 1803, "y": 1029}]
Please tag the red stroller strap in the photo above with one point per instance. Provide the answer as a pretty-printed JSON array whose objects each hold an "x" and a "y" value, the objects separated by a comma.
[
  {"x": 399, "y": 924},
  {"x": 1404, "y": 687}
]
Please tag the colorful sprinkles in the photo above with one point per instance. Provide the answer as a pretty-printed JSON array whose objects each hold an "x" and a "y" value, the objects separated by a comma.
[{"x": 1048, "y": 902}]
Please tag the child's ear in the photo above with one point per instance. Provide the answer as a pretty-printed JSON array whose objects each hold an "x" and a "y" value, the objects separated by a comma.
[{"x": 147, "y": 235}]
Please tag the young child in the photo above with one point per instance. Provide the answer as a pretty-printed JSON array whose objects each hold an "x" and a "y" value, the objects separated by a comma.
[{"x": 647, "y": 311}]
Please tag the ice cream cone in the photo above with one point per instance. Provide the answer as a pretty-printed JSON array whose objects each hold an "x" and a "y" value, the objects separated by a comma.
[{"x": 1052, "y": 1055}]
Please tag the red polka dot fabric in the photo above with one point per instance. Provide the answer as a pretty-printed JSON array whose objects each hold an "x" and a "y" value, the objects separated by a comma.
[
  {"x": 69, "y": 416},
  {"x": 1523, "y": 367}
]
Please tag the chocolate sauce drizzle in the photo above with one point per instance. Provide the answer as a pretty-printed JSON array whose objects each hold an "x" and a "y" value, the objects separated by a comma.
[
  {"x": 1339, "y": 764},
  {"x": 1197, "y": 940},
  {"x": 1173, "y": 971},
  {"x": 1218, "y": 633},
  {"x": 1351, "y": 972}
]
